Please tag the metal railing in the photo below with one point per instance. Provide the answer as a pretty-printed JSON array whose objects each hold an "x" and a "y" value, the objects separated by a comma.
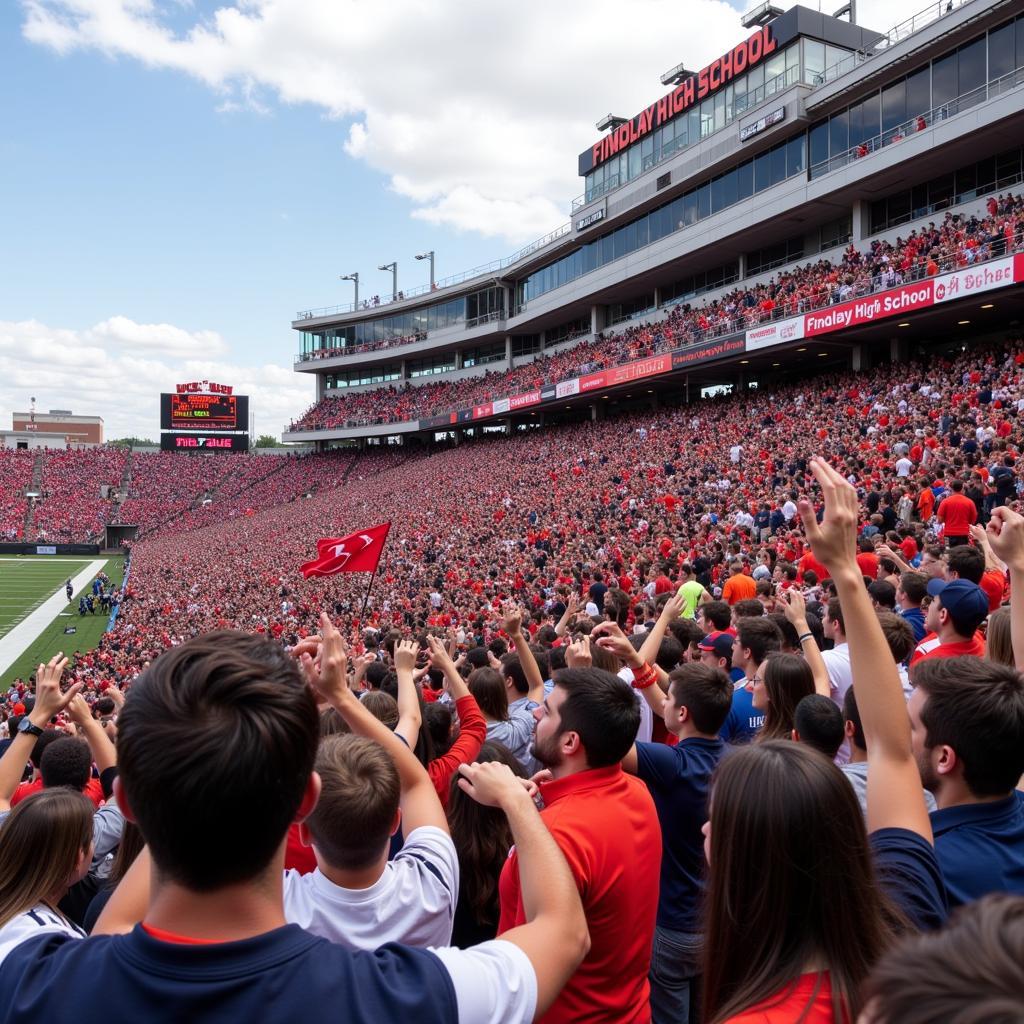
[
  {"x": 895, "y": 35},
  {"x": 486, "y": 268},
  {"x": 1001, "y": 248},
  {"x": 919, "y": 123}
]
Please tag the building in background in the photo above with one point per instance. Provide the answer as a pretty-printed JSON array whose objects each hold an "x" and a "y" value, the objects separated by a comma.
[{"x": 55, "y": 429}]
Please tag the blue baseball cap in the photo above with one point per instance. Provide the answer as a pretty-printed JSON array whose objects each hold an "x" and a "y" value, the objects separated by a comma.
[
  {"x": 961, "y": 598},
  {"x": 720, "y": 642}
]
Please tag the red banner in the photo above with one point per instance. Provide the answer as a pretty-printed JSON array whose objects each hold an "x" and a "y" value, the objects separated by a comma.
[
  {"x": 522, "y": 401},
  {"x": 482, "y": 411},
  {"x": 894, "y": 302}
]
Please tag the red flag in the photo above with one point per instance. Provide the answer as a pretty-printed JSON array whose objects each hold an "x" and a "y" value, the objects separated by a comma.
[{"x": 358, "y": 552}]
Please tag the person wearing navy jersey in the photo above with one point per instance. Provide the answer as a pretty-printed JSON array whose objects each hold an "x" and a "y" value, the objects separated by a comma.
[{"x": 216, "y": 745}]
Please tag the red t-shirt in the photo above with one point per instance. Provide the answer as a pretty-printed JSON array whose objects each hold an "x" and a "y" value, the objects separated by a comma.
[
  {"x": 867, "y": 562},
  {"x": 958, "y": 513},
  {"x": 810, "y": 564},
  {"x": 93, "y": 790},
  {"x": 993, "y": 582},
  {"x": 975, "y": 646},
  {"x": 605, "y": 824},
  {"x": 808, "y": 1001}
]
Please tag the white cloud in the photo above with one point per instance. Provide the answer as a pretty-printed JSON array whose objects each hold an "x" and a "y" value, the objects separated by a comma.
[
  {"x": 117, "y": 369},
  {"x": 474, "y": 111}
]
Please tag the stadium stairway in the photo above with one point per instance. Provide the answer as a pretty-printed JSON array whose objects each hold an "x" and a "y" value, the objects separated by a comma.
[{"x": 30, "y": 503}]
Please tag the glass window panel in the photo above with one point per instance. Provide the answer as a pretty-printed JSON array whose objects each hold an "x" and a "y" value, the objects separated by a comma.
[
  {"x": 870, "y": 116},
  {"x": 986, "y": 173},
  {"x": 707, "y": 117},
  {"x": 627, "y": 243},
  {"x": 1001, "y": 51},
  {"x": 717, "y": 195},
  {"x": 795, "y": 163},
  {"x": 762, "y": 172},
  {"x": 690, "y": 208},
  {"x": 647, "y": 152},
  {"x": 972, "y": 73},
  {"x": 814, "y": 61},
  {"x": 755, "y": 79},
  {"x": 605, "y": 253},
  {"x": 819, "y": 143},
  {"x": 634, "y": 162},
  {"x": 778, "y": 162},
  {"x": 776, "y": 65},
  {"x": 675, "y": 212},
  {"x": 835, "y": 56},
  {"x": 944, "y": 80},
  {"x": 919, "y": 99},
  {"x": 744, "y": 180},
  {"x": 1020, "y": 41},
  {"x": 1008, "y": 167},
  {"x": 642, "y": 232},
  {"x": 703, "y": 201},
  {"x": 693, "y": 125},
  {"x": 894, "y": 105},
  {"x": 838, "y": 133},
  {"x": 730, "y": 104},
  {"x": 966, "y": 180},
  {"x": 589, "y": 258},
  {"x": 729, "y": 189},
  {"x": 719, "y": 111},
  {"x": 792, "y": 57}
]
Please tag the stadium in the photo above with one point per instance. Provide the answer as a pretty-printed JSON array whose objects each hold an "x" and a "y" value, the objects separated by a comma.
[{"x": 633, "y": 513}]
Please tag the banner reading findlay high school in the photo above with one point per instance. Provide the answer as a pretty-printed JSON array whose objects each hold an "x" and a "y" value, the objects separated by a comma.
[{"x": 358, "y": 552}]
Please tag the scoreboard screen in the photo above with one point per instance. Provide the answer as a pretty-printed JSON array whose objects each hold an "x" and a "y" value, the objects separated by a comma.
[{"x": 204, "y": 412}]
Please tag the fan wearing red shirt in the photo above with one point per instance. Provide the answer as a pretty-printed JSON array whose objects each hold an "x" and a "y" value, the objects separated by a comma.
[
  {"x": 606, "y": 825},
  {"x": 867, "y": 560},
  {"x": 958, "y": 609},
  {"x": 957, "y": 513}
]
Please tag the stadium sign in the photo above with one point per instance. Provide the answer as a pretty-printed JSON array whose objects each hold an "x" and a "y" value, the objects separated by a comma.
[
  {"x": 203, "y": 387},
  {"x": 565, "y": 388},
  {"x": 178, "y": 442},
  {"x": 874, "y": 307},
  {"x": 591, "y": 218},
  {"x": 756, "y": 127},
  {"x": 964, "y": 283},
  {"x": 718, "y": 74},
  {"x": 709, "y": 350},
  {"x": 775, "y": 334}
]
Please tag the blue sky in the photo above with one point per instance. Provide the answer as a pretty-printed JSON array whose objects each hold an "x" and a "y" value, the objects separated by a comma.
[{"x": 179, "y": 178}]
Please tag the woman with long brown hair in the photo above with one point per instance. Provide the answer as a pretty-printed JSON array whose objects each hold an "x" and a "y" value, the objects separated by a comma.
[
  {"x": 482, "y": 839},
  {"x": 779, "y": 684},
  {"x": 45, "y": 848},
  {"x": 802, "y": 900}
]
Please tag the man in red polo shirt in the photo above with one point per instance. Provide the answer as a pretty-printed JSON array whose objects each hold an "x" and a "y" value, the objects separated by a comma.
[
  {"x": 606, "y": 825},
  {"x": 958, "y": 608},
  {"x": 957, "y": 513}
]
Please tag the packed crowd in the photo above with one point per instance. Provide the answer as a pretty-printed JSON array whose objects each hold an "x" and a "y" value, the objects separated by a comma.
[
  {"x": 398, "y": 340},
  {"x": 72, "y": 507},
  {"x": 629, "y": 615},
  {"x": 955, "y": 242},
  {"x": 15, "y": 476}
]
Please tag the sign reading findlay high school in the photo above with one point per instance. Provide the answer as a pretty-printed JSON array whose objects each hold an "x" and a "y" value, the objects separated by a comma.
[{"x": 706, "y": 82}]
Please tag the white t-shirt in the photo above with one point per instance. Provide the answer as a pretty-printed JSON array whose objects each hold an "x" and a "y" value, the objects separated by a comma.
[
  {"x": 904, "y": 467},
  {"x": 413, "y": 902},
  {"x": 40, "y": 920},
  {"x": 494, "y": 983}
]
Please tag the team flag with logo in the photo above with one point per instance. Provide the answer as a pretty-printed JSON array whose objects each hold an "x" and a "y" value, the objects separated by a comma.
[{"x": 358, "y": 552}]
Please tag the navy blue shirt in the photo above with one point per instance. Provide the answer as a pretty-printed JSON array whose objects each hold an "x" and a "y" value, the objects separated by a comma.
[
  {"x": 908, "y": 872},
  {"x": 981, "y": 848},
  {"x": 282, "y": 976},
  {"x": 744, "y": 720},
  {"x": 678, "y": 779},
  {"x": 916, "y": 619}
]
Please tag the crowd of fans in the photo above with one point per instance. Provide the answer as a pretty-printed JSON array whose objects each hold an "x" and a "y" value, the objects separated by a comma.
[
  {"x": 15, "y": 476},
  {"x": 72, "y": 508},
  {"x": 955, "y": 242},
  {"x": 398, "y": 340},
  {"x": 709, "y": 713}
]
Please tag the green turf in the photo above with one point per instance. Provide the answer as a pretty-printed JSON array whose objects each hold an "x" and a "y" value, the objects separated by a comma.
[{"x": 27, "y": 582}]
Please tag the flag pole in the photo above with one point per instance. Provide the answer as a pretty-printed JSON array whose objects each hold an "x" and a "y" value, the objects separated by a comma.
[{"x": 366, "y": 596}]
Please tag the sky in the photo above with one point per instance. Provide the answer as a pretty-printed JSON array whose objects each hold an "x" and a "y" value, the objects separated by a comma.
[{"x": 179, "y": 177}]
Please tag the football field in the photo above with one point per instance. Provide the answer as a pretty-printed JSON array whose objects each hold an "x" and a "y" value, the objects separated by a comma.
[{"x": 35, "y": 614}]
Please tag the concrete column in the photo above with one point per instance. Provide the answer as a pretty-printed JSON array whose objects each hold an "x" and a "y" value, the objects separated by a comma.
[
  {"x": 856, "y": 358},
  {"x": 507, "y": 424},
  {"x": 741, "y": 265},
  {"x": 404, "y": 371},
  {"x": 657, "y": 298},
  {"x": 543, "y": 339},
  {"x": 321, "y": 385},
  {"x": 508, "y": 351},
  {"x": 598, "y": 318},
  {"x": 898, "y": 350},
  {"x": 859, "y": 220},
  {"x": 596, "y": 415}
]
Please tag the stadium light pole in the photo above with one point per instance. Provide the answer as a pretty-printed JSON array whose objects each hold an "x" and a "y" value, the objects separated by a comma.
[
  {"x": 354, "y": 278},
  {"x": 393, "y": 267},
  {"x": 429, "y": 256}
]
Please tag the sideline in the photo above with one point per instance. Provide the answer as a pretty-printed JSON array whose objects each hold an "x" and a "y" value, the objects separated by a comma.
[{"x": 16, "y": 642}]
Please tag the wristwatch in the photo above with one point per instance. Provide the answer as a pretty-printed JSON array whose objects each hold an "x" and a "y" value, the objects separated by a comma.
[{"x": 26, "y": 726}]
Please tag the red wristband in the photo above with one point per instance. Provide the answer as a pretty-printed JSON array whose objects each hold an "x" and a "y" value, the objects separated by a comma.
[{"x": 643, "y": 677}]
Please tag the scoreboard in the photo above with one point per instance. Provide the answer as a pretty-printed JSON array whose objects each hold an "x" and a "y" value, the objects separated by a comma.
[
  {"x": 204, "y": 412},
  {"x": 176, "y": 442}
]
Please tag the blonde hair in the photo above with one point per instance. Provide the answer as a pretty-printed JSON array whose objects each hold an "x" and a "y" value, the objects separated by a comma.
[
  {"x": 42, "y": 840},
  {"x": 998, "y": 647}
]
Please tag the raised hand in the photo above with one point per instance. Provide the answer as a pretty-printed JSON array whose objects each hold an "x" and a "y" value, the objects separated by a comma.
[
  {"x": 327, "y": 673},
  {"x": 491, "y": 783},
  {"x": 49, "y": 700},
  {"x": 78, "y": 710},
  {"x": 673, "y": 608},
  {"x": 406, "y": 652},
  {"x": 577, "y": 654},
  {"x": 794, "y": 607},
  {"x": 609, "y": 637},
  {"x": 512, "y": 622},
  {"x": 1005, "y": 532},
  {"x": 834, "y": 539},
  {"x": 440, "y": 657}
]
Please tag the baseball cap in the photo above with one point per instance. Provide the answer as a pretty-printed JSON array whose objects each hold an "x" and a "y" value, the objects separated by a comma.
[
  {"x": 961, "y": 598},
  {"x": 719, "y": 642}
]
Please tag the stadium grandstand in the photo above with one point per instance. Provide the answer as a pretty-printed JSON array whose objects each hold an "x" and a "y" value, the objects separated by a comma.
[
  {"x": 844, "y": 199},
  {"x": 717, "y": 488}
]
